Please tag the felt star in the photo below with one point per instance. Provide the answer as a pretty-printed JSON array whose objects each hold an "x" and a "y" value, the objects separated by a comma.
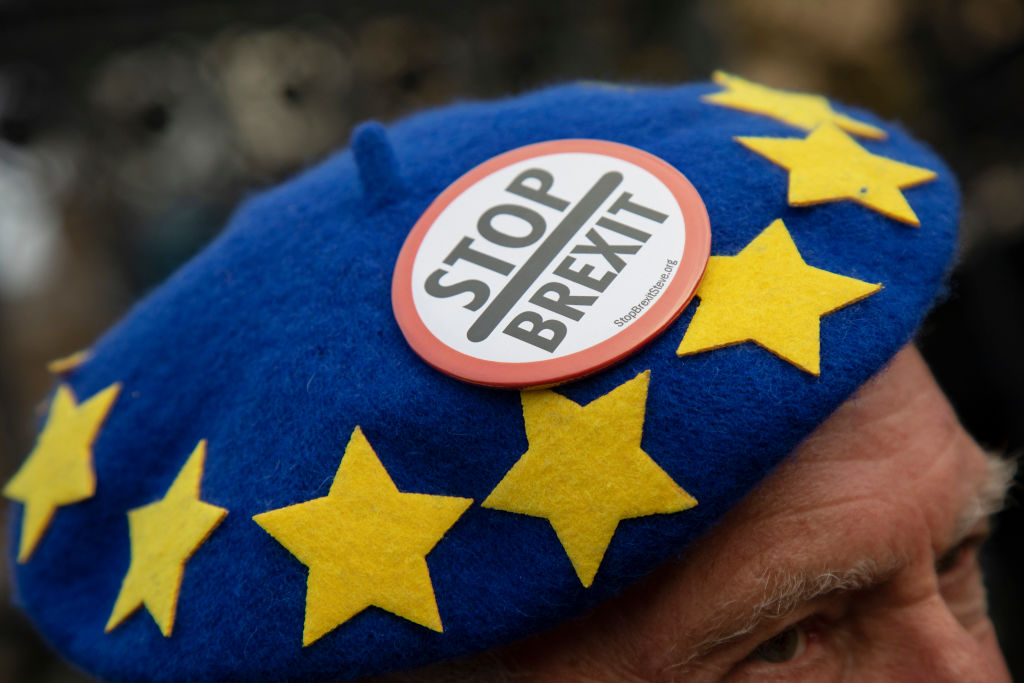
[
  {"x": 365, "y": 543},
  {"x": 829, "y": 166},
  {"x": 164, "y": 535},
  {"x": 768, "y": 294},
  {"x": 59, "y": 470},
  {"x": 797, "y": 109},
  {"x": 585, "y": 471}
]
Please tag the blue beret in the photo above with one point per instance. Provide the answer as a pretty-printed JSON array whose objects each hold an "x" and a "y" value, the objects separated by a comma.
[{"x": 262, "y": 474}]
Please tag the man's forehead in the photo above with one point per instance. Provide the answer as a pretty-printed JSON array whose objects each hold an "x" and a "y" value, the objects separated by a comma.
[{"x": 896, "y": 436}]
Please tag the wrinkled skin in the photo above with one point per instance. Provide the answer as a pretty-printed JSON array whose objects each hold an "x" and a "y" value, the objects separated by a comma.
[{"x": 887, "y": 487}]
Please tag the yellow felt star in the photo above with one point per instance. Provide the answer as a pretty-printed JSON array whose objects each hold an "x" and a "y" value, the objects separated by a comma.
[
  {"x": 768, "y": 294},
  {"x": 797, "y": 109},
  {"x": 164, "y": 535},
  {"x": 365, "y": 543},
  {"x": 829, "y": 166},
  {"x": 59, "y": 469},
  {"x": 585, "y": 471}
]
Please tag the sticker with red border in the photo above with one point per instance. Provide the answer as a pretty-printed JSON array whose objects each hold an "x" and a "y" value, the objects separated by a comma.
[{"x": 550, "y": 262}]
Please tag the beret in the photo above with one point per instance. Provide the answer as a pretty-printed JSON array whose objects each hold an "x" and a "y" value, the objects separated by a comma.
[{"x": 278, "y": 467}]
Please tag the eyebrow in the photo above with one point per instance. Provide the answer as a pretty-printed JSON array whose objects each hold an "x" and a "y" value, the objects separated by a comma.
[
  {"x": 990, "y": 498},
  {"x": 781, "y": 592}
]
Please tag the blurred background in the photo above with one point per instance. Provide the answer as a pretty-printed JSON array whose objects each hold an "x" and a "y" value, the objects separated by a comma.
[{"x": 128, "y": 130}]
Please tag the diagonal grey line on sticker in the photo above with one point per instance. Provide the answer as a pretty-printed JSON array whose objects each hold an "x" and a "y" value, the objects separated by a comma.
[{"x": 542, "y": 257}]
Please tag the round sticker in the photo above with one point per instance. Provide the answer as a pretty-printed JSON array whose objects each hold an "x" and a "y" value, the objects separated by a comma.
[{"x": 549, "y": 262}]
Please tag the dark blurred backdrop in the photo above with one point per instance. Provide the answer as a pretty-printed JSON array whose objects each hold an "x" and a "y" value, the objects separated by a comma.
[{"x": 129, "y": 129}]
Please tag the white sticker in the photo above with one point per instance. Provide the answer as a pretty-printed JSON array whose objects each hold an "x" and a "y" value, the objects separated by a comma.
[{"x": 549, "y": 262}]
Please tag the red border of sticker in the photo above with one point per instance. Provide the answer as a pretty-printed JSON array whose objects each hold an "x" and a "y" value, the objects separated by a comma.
[{"x": 662, "y": 313}]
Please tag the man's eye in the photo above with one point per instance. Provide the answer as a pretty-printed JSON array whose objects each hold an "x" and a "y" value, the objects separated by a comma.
[
  {"x": 959, "y": 555},
  {"x": 785, "y": 646}
]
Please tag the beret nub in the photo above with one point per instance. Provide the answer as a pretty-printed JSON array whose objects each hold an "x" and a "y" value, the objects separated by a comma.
[
  {"x": 378, "y": 167},
  {"x": 254, "y": 476}
]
